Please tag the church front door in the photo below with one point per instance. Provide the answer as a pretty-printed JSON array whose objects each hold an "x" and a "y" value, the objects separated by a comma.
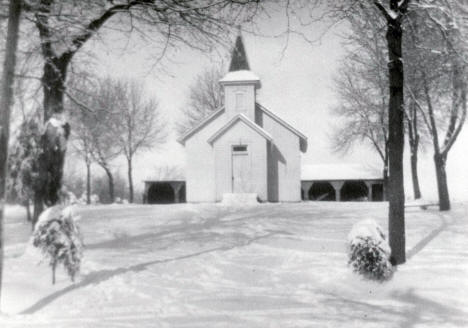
[{"x": 240, "y": 169}]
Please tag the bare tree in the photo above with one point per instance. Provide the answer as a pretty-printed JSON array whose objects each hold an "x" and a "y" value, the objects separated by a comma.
[
  {"x": 450, "y": 20},
  {"x": 412, "y": 81},
  {"x": 103, "y": 154},
  {"x": 361, "y": 85},
  {"x": 414, "y": 139},
  {"x": 82, "y": 90},
  {"x": 83, "y": 145},
  {"x": 205, "y": 96},
  {"x": 392, "y": 15},
  {"x": 6, "y": 96},
  {"x": 82, "y": 142},
  {"x": 94, "y": 104},
  {"x": 440, "y": 61},
  {"x": 362, "y": 88},
  {"x": 137, "y": 123},
  {"x": 104, "y": 146},
  {"x": 64, "y": 27}
]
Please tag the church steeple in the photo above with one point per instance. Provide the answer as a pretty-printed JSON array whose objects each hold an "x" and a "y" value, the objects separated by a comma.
[
  {"x": 239, "y": 60},
  {"x": 240, "y": 84}
]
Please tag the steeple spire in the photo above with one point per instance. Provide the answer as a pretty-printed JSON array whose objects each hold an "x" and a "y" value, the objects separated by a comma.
[{"x": 239, "y": 57}]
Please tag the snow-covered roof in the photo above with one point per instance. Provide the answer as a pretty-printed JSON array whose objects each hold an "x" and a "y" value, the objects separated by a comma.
[
  {"x": 240, "y": 76},
  {"x": 339, "y": 172},
  {"x": 178, "y": 175},
  {"x": 302, "y": 137},
  {"x": 319, "y": 172},
  {"x": 200, "y": 125},
  {"x": 245, "y": 119}
]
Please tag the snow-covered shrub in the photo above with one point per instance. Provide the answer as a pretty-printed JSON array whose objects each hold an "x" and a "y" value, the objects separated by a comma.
[
  {"x": 118, "y": 200},
  {"x": 58, "y": 237},
  {"x": 95, "y": 199},
  {"x": 67, "y": 197},
  {"x": 124, "y": 201},
  {"x": 82, "y": 199},
  {"x": 369, "y": 253}
]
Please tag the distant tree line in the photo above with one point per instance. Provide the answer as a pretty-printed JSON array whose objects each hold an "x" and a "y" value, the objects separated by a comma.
[
  {"x": 435, "y": 85},
  {"x": 113, "y": 120}
]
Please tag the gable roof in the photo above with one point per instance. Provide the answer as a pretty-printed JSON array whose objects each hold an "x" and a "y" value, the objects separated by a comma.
[
  {"x": 239, "y": 57},
  {"x": 302, "y": 137},
  {"x": 200, "y": 125},
  {"x": 235, "y": 119}
]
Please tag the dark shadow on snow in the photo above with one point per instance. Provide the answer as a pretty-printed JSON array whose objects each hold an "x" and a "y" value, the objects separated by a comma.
[
  {"x": 421, "y": 310},
  {"x": 426, "y": 240},
  {"x": 97, "y": 277},
  {"x": 417, "y": 310},
  {"x": 202, "y": 224}
]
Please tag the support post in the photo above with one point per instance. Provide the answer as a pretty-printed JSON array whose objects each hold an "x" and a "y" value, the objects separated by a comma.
[
  {"x": 337, "y": 185},
  {"x": 305, "y": 186},
  {"x": 145, "y": 192},
  {"x": 176, "y": 186},
  {"x": 369, "y": 185}
]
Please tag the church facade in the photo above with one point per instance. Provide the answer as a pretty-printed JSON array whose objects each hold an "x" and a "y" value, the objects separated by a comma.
[{"x": 243, "y": 147}]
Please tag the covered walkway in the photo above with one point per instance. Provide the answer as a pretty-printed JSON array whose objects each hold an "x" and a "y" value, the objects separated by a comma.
[
  {"x": 341, "y": 182},
  {"x": 164, "y": 192}
]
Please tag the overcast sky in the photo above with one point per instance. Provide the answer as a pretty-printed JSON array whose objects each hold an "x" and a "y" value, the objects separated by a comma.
[{"x": 297, "y": 85}]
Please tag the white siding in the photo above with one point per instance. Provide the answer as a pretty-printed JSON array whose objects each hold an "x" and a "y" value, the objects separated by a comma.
[
  {"x": 241, "y": 134},
  {"x": 200, "y": 168},
  {"x": 246, "y": 94},
  {"x": 284, "y": 162}
]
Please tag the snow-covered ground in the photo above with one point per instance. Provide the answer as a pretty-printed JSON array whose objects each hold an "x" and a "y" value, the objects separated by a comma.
[{"x": 271, "y": 265}]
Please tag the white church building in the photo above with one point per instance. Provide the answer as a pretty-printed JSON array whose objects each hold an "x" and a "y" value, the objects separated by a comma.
[
  {"x": 243, "y": 147},
  {"x": 245, "y": 150}
]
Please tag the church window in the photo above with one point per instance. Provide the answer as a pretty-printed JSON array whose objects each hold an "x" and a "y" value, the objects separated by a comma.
[
  {"x": 240, "y": 148},
  {"x": 240, "y": 106}
]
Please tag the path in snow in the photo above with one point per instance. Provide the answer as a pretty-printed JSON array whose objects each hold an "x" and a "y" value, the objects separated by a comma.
[{"x": 271, "y": 265}]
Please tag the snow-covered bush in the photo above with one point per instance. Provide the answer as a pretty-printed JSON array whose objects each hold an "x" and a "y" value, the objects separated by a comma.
[
  {"x": 22, "y": 171},
  {"x": 369, "y": 253},
  {"x": 58, "y": 237},
  {"x": 67, "y": 197},
  {"x": 95, "y": 199},
  {"x": 82, "y": 199}
]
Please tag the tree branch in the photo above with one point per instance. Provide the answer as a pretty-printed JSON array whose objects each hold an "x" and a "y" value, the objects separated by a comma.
[
  {"x": 453, "y": 136},
  {"x": 384, "y": 11},
  {"x": 96, "y": 24}
]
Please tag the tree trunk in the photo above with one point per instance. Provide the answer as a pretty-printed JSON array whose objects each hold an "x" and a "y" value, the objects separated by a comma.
[
  {"x": 385, "y": 183},
  {"x": 442, "y": 187},
  {"x": 50, "y": 162},
  {"x": 6, "y": 98},
  {"x": 49, "y": 166},
  {"x": 54, "y": 266},
  {"x": 130, "y": 181},
  {"x": 88, "y": 183},
  {"x": 110, "y": 180},
  {"x": 53, "y": 79},
  {"x": 28, "y": 210},
  {"x": 396, "y": 192},
  {"x": 38, "y": 208},
  {"x": 53, "y": 141},
  {"x": 413, "y": 138},
  {"x": 414, "y": 174}
]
